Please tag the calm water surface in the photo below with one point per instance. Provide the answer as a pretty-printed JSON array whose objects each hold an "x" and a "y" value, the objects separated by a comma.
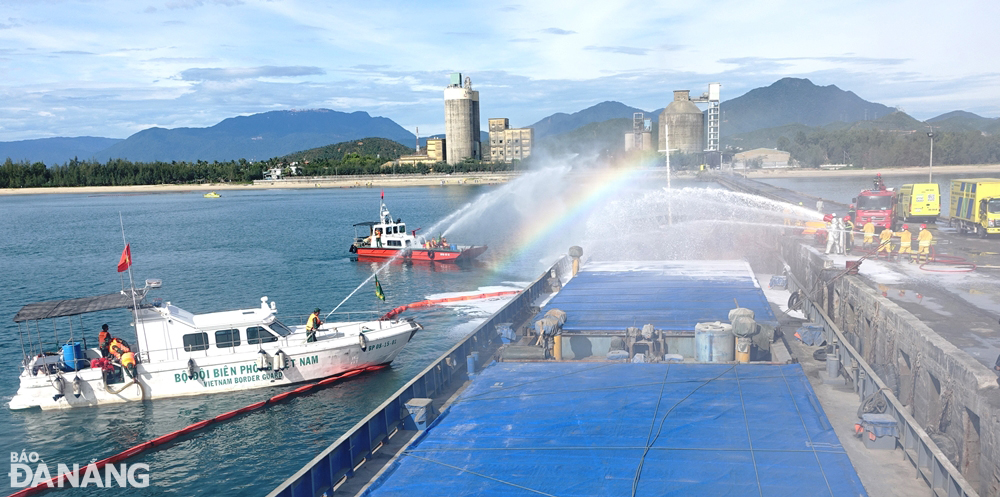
[{"x": 217, "y": 254}]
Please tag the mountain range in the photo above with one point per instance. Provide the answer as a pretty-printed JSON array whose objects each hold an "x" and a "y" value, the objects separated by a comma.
[
  {"x": 788, "y": 104},
  {"x": 561, "y": 122}
]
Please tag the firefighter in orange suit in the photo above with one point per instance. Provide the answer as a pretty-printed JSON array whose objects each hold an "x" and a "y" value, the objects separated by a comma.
[
  {"x": 869, "y": 229},
  {"x": 924, "y": 243},
  {"x": 885, "y": 244},
  {"x": 905, "y": 244}
]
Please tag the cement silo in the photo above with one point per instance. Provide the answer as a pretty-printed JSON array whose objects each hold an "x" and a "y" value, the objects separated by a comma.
[
  {"x": 685, "y": 124},
  {"x": 461, "y": 121}
]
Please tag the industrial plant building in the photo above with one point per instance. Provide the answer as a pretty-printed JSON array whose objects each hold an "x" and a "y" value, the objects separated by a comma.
[
  {"x": 461, "y": 121},
  {"x": 508, "y": 144},
  {"x": 683, "y": 127},
  {"x": 435, "y": 153},
  {"x": 641, "y": 136}
]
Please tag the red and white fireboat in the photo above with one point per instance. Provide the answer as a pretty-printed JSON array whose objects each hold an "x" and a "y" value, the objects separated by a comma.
[{"x": 387, "y": 238}]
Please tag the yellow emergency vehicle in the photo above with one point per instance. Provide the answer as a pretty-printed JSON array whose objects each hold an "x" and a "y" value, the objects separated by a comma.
[
  {"x": 975, "y": 206},
  {"x": 918, "y": 202}
]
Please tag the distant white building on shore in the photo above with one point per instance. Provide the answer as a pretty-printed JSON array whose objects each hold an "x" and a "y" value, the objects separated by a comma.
[{"x": 277, "y": 172}]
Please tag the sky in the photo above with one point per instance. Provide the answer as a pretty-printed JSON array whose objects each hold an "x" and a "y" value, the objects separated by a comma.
[{"x": 112, "y": 68}]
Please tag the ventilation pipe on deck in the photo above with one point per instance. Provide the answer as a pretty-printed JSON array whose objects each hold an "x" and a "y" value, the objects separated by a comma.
[
  {"x": 576, "y": 252},
  {"x": 832, "y": 365}
]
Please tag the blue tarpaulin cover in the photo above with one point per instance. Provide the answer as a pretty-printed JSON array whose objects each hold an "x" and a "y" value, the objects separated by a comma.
[
  {"x": 811, "y": 334},
  {"x": 584, "y": 429},
  {"x": 674, "y": 295},
  {"x": 882, "y": 425}
]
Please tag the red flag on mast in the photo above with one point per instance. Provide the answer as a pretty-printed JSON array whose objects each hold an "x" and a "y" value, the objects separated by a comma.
[
  {"x": 383, "y": 194},
  {"x": 126, "y": 259}
]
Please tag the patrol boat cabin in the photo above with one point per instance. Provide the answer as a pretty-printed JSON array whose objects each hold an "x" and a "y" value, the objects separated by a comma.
[{"x": 179, "y": 353}]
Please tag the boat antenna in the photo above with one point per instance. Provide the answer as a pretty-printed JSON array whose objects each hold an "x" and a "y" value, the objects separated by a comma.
[{"x": 131, "y": 282}]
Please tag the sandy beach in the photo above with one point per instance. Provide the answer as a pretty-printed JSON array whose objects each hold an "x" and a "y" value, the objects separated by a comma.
[
  {"x": 321, "y": 182},
  {"x": 457, "y": 179}
]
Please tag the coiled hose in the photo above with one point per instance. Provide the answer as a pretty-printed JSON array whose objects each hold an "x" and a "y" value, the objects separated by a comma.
[
  {"x": 874, "y": 403},
  {"x": 958, "y": 264}
]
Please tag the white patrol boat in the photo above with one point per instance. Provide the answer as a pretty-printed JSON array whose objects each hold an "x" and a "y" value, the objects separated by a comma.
[{"x": 182, "y": 354}]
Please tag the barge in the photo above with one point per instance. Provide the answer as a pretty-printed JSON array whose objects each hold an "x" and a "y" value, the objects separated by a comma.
[{"x": 588, "y": 424}]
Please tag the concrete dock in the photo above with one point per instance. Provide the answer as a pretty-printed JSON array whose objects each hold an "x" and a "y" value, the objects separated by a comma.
[{"x": 930, "y": 331}]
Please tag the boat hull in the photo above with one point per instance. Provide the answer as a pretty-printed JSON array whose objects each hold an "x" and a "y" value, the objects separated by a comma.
[
  {"x": 331, "y": 355},
  {"x": 422, "y": 255}
]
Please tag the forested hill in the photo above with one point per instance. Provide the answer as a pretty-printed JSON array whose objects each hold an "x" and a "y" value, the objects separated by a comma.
[
  {"x": 256, "y": 137},
  {"x": 795, "y": 101},
  {"x": 381, "y": 148},
  {"x": 52, "y": 151}
]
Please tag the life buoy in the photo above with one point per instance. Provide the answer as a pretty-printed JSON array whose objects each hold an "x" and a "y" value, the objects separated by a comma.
[
  {"x": 118, "y": 347},
  {"x": 363, "y": 341},
  {"x": 430, "y": 254},
  {"x": 129, "y": 364}
]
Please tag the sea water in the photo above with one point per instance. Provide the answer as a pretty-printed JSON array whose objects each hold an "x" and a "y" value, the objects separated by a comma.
[
  {"x": 226, "y": 253},
  {"x": 219, "y": 254}
]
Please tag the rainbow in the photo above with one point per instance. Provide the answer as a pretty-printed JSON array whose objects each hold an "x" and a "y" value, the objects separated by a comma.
[{"x": 593, "y": 191}]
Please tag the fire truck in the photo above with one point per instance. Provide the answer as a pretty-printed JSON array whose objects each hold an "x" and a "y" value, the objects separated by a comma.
[{"x": 875, "y": 205}]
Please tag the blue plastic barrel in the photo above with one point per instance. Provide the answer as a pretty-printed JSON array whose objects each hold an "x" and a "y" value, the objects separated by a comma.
[
  {"x": 714, "y": 342},
  {"x": 72, "y": 354}
]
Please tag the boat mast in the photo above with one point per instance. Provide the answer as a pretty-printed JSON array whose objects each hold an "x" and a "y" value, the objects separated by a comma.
[{"x": 135, "y": 304}]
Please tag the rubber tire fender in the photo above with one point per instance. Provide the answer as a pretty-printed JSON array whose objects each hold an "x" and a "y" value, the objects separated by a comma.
[
  {"x": 795, "y": 300},
  {"x": 363, "y": 341}
]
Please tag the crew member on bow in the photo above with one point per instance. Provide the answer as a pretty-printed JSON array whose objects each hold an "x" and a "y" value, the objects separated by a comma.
[{"x": 313, "y": 324}]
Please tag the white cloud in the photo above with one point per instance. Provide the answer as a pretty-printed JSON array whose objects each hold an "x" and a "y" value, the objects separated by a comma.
[{"x": 196, "y": 62}]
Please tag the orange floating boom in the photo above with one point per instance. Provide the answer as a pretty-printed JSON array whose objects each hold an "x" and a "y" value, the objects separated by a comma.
[
  {"x": 424, "y": 303},
  {"x": 149, "y": 444}
]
